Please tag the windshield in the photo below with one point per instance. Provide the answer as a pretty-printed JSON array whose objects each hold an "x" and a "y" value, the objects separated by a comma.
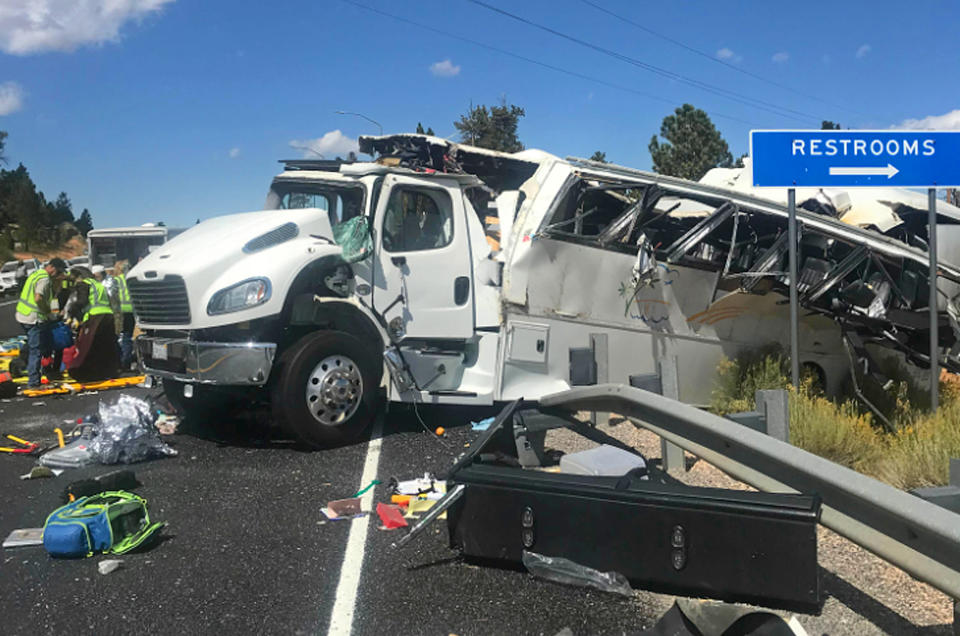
[
  {"x": 9, "y": 267},
  {"x": 340, "y": 203}
]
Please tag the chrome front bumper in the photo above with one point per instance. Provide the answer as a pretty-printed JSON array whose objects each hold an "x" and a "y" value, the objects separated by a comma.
[{"x": 226, "y": 363}]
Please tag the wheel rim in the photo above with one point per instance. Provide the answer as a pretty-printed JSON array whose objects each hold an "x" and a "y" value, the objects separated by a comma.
[{"x": 334, "y": 388}]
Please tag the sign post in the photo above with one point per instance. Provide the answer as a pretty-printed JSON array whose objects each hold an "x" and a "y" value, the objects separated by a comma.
[
  {"x": 857, "y": 159},
  {"x": 794, "y": 302},
  {"x": 934, "y": 300}
]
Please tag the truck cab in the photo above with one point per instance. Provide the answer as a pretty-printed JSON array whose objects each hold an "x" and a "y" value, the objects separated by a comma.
[{"x": 445, "y": 274}]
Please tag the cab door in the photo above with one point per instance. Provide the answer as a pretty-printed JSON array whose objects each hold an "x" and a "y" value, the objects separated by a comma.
[{"x": 423, "y": 283}]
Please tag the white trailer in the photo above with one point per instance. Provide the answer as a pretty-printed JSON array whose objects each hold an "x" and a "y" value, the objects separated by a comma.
[
  {"x": 107, "y": 246},
  {"x": 494, "y": 276}
]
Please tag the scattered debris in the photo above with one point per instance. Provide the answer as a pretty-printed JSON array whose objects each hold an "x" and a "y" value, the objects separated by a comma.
[
  {"x": 482, "y": 425},
  {"x": 514, "y": 509},
  {"x": 373, "y": 483},
  {"x": 401, "y": 500},
  {"x": 116, "y": 480},
  {"x": 602, "y": 460},
  {"x": 418, "y": 506},
  {"x": 561, "y": 570},
  {"x": 440, "y": 432},
  {"x": 390, "y": 516},
  {"x": 345, "y": 507},
  {"x": 422, "y": 485},
  {"x": 167, "y": 424},
  {"x": 109, "y": 565},
  {"x": 75, "y": 454},
  {"x": 24, "y": 537},
  {"x": 25, "y": 447},
  {"x": 41, "y": 472},
  {"x": 126, "y": 433},
  {"x": 115, "y": 522}
]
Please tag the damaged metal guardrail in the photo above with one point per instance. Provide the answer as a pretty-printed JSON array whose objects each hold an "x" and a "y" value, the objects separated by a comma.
[{"x": 917, "y": 536}]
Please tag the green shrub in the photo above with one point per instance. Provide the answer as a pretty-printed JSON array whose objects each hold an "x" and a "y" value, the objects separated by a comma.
[
  {"x": 839, "y": 432},
  {"x": 738, "y": 380},
  {"x": 919, "y": 454},
  {"x": 915, "y": 454}
]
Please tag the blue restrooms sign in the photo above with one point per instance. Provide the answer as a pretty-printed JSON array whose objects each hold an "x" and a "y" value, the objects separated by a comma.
[{"x": 855, "y": 158}]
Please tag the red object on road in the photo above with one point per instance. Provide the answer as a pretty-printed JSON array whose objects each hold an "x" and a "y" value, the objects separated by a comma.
[{"x": 390, "y": 516}]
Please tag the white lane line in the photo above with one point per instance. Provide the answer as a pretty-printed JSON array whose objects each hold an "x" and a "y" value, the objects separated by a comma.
[
  {"x": 341, "y": 618},
  {"x": 9, "y": 302}
]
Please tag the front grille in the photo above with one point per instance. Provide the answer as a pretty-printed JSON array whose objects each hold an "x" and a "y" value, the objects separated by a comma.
[{"x": 160, "y": 302}]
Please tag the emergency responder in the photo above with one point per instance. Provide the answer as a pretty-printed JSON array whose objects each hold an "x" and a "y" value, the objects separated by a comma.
[
  {"x": 97, "y": 356},
  {"x": 125, "y": 317},
  {"x": 37, "y": 318}
]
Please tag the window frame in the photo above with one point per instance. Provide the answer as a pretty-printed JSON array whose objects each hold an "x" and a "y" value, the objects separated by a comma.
[{"x": 428, "y": 191}]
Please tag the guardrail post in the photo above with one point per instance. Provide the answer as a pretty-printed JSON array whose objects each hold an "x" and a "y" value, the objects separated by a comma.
[
  {"x": 956, "y": 618},
  {"x": 774, "y": 405},
  {"x": 601, "y": 355},
  {"x": 671, "y": 455}
]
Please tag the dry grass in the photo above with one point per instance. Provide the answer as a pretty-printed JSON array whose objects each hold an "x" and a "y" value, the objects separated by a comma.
[{"x": 916, "y": 454}]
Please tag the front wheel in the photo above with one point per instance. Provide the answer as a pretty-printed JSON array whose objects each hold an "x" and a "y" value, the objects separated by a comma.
[{"x": 327, "y": 389}]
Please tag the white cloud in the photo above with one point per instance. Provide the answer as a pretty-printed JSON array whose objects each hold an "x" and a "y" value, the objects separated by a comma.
[
  {"x": 445, "y": 68},
  {"x": 331, "y": 145},
  {"x": 780, "y": 57},
  {"x": 11, "y": 98},
  {"x": 38, "y": 26},
  {"x": 234, "y": 152},
  {"x": 863, "y": 51},
  {"x": 728, "y": 55},
  {"x": 947, "y": 121}
]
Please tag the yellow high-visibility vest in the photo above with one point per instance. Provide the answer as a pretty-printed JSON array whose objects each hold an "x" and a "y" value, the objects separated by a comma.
[
  {"x": 27, "y": 304},
  {"x": 99, "y": 299},
  {"x": 126, "y": 304}
]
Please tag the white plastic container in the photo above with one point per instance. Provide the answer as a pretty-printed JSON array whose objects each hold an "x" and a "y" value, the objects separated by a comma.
[{"x": 603, "y": 460}]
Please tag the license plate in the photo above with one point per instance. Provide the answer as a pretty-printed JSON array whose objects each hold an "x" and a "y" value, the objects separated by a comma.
[{"x": 159, "y": 351}]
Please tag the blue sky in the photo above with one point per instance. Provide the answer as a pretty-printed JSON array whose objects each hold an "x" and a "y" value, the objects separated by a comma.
[{"x": 171, "y": 110}]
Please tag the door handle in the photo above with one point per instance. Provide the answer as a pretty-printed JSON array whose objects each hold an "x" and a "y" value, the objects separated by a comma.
[
  {"x": 461, "y": 290},
  {"x": 399, "y": 261}
]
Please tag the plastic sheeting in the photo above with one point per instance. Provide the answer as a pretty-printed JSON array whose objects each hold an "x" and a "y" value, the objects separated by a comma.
[
  {"x": 561, "y": 570},
  {"x": 353, "y": 236},
  {"x": 126, "y": 433}
]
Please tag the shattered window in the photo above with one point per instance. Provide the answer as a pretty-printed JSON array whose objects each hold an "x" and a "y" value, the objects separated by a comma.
[
  {"x": 417, "y": 220},
  {"x": 340, "y": 204},
  {"x": 587, "y": 209}
]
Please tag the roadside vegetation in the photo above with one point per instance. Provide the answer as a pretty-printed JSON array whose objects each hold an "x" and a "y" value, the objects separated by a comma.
[
  {"x": 30, "y": 224},
  {"x": 915, "y": 453}
]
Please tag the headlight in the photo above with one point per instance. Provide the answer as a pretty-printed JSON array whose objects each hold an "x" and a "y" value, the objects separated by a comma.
[{"x": 243, "y": 295}]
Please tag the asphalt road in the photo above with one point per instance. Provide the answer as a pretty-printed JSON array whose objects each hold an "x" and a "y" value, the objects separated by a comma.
[{"x": 247, "y": 548}]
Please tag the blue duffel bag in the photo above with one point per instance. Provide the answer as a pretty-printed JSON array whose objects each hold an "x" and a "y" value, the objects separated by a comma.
[{"x": 61, "y": 335}]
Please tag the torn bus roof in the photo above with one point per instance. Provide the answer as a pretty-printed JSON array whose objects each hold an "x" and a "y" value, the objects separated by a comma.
[
  {"x": 424, "y": 153},
  {"x": 872, "y": 285}
]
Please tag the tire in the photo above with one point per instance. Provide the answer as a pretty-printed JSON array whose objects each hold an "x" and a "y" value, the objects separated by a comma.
[{"x": 327, "y": 388}]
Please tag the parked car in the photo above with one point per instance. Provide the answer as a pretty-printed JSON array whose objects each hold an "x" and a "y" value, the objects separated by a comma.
[
  {"x": 8, "y": 274},
  {"x": 8, "y": 277}
]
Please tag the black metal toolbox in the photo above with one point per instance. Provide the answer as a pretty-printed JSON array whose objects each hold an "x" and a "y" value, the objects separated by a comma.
[{"x": 661, "y": 534}]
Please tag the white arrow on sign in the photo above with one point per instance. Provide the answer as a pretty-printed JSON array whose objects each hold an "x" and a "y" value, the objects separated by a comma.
[{"x": 864, "y": 171}]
